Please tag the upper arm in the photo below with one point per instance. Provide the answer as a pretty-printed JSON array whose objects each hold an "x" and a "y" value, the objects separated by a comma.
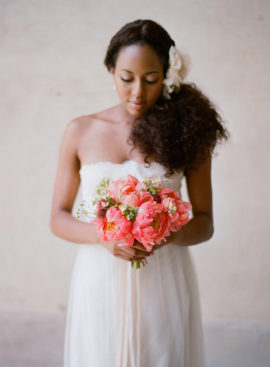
[
  {"x": 199, "y": 188},
  {"x": 67, "y": 176}
]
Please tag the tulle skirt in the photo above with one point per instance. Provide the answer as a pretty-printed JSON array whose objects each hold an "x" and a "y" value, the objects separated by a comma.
[{"x": 119, "y": 316}]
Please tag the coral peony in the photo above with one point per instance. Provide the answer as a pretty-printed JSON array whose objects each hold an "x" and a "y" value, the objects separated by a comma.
[
  {"x": 132, "y": 199},
  {"x": 177, "y": 209},
  {"x": 114, "y": 227},
  {"x": 151, "y": 224},
  {"x": 124, "y": 191}
]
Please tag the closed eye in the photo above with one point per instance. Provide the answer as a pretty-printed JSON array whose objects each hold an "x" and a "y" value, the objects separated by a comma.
[{"x": 147, "y": 81}]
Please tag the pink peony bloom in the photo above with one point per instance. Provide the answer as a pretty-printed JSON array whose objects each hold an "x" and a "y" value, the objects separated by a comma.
[
  {"x": 132, "y": 199},
  {"x": 151, "y": 225},
  {"x": 124, "y": 191},
  {"x": 144, "y": 194},
  {"x": 114, "y": 227},
  {"x": 178, "y": 210}
]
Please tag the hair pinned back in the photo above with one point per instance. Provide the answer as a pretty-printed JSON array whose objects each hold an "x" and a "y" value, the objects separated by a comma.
[
  {"x": 178, "y": 132},
  {"x": 142, "y": 32}
]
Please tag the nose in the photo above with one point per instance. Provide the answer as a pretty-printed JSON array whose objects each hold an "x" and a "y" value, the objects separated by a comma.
[{"x": 138, "y": 89}]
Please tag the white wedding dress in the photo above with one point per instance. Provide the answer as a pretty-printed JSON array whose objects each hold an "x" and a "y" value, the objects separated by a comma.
[{"x": 119, "y": 316}]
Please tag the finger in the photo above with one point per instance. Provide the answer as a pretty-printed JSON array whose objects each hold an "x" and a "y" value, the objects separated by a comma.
[
  {"x": 132, "y": 251},
  {"x": 137, "y": 253},
  {"x": 138, "y": 245},
  {"x": 141, "y": 248}
]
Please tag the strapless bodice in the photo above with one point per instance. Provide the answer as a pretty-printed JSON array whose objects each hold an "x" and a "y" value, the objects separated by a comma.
[{"x": 92, "y": 174}]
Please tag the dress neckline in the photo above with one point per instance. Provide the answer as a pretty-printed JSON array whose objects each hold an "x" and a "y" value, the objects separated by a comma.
[
  {"x": 119, "y": 164},
  {"x": 157, "y": 164}
]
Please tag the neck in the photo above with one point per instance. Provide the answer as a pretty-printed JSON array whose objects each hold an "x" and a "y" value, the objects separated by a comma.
[{"x": 123, "y": 115}]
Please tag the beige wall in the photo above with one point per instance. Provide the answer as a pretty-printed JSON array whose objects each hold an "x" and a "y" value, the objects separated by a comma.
[{"x": 51, "y": 70}]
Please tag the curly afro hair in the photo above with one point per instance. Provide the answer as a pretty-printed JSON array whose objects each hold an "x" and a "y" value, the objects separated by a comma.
[{"x": 178, "y": 133}]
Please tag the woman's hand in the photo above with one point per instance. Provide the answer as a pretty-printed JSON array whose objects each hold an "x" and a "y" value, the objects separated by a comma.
[{"x": 137, "y": 252}]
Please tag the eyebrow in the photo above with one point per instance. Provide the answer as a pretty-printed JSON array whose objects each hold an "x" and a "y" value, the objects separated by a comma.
[{"x": 149, "y": 72}]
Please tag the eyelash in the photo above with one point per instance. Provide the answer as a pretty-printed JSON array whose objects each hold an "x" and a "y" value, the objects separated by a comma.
[{"x": 130, "y": 80}]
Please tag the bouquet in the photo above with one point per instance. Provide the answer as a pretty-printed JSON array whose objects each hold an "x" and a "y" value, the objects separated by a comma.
[{"x": 128, "y": 209}]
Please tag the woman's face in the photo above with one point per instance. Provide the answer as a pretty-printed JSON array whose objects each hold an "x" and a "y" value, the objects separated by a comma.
[{"x": 138, "y": 76}]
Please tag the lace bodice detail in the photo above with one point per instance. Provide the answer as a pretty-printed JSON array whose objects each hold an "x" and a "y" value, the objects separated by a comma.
[{"x": 92, "y": 174}]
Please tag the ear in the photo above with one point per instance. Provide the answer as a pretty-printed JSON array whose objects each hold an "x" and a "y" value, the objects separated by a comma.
[{"x": 111, "y": 70}]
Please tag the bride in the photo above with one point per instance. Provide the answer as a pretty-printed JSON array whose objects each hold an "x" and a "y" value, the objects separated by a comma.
[{"x": 163, "y": 127}]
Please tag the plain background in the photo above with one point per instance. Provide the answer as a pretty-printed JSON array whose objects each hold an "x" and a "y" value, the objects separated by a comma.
[{"x": 51, "y": 71}]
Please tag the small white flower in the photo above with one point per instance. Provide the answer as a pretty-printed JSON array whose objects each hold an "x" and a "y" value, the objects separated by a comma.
[
  {"x": 87, "y": 209},
  {"x": 177, "y": 71},
  {"x": 123, "y": 208}
]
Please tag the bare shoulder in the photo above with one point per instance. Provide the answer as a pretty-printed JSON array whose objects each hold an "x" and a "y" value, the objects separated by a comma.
[
  {"x": 79, "y": 124},
  {"x": 87, "y": 123},
  {"x": 95, "y": 136},
  {"x": 80, "y": 127}
]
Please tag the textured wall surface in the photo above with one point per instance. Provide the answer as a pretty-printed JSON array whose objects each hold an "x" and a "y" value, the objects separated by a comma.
[{"x": 51, "y": 70}]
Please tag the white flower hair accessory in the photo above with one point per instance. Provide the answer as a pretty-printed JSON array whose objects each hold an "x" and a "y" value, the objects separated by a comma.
[{"x": 179, "y": 65}]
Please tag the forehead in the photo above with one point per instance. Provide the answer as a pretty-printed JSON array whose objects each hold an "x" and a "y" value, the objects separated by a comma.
[{"x": 139, "y": 58}]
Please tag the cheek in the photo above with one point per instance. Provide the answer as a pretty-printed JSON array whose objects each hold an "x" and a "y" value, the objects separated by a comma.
[
  {"x": 122, "y": 89},
  {"x": 155, "y": 93}
]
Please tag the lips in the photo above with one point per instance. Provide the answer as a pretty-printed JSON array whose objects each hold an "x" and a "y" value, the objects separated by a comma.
[{"x": 137, "y": 104}]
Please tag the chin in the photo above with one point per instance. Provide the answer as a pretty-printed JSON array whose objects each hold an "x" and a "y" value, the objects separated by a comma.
[
  {"x": 135, "y": 113},
  {"x": 138, "y": 114}
]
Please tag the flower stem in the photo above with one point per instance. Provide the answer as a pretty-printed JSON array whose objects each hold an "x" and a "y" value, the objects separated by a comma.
[{"x": 138, "y": 264}]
